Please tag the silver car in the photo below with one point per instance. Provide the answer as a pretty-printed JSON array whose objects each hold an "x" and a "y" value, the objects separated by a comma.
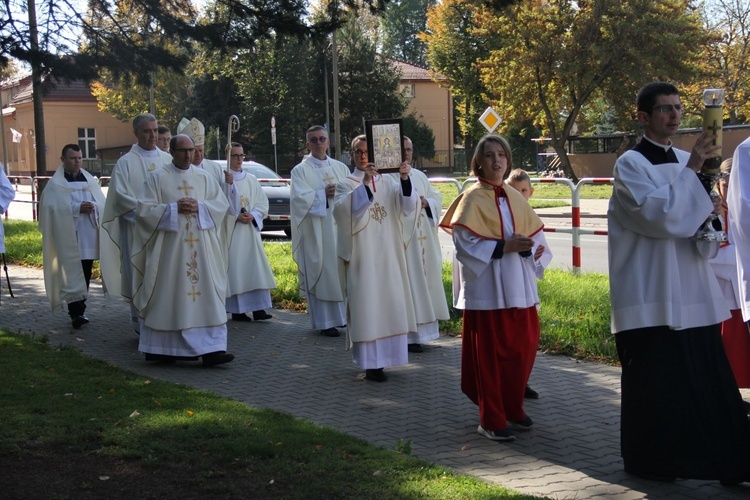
[{"x": 277, "y": 191}]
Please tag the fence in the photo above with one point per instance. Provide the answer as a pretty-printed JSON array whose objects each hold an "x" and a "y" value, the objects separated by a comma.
[{"x": 575, "y": 230}]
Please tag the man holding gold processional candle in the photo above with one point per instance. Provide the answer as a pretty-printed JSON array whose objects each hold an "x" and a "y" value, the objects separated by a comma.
[{"x": 682, "y": 414}]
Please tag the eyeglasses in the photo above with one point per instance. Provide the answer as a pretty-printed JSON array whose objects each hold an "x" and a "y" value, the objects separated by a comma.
[
  {"x": 316, "y": 140},
  {"x": 237, "y": 156},
  {"x": 667, "y": 108},
  {"x": 184, "y": 151},
  {"x": 360, "y": 153}
]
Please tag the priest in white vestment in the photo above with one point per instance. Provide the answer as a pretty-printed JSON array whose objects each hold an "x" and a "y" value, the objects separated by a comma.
[
  {"x": 682, "y": 413},
  {"x": 314, "y": 234},
  {"x": 126, "y": 188},
  {"x": 179, "y": 263},
  {"x": 424, "y": 259},
  {"x": 69, "y": 212},
  {"x": 250, "y": 275},
  {"x": 194, "y": 129},
  {"x": 7, "y": 194},
  {"x": 380, "y": 314}
]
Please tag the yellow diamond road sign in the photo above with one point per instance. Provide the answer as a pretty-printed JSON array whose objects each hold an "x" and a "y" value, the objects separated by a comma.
[{"x": 490, "y": 119}]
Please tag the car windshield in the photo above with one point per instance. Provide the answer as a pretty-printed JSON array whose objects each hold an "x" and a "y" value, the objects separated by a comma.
[{"x": 261, "y": 172}]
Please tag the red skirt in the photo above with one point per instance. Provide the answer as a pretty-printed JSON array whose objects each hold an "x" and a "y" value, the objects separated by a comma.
[
  {"x": 497, "y": 355},
  {"x": 736, "y": 339}
]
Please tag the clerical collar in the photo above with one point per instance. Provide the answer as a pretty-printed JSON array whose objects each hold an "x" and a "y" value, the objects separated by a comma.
[
  {"x": 154, "y": 153},
  {"x": 665, "y": 147},
  {"x": 655, "y": 153},
  {"x": 79, "y": 177},
  {"x": 319, "y": 163}
]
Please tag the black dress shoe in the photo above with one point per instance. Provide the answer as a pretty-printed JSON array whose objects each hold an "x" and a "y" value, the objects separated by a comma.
[
  {"x": 415, "y": 348},
  {"x": 79, "y": 321},
  {"x": 530, "y": 393},
  {"x": 330, "y": 332},
  {"x": 162, "y": 358},
  {"x": 240, "y": 317},
  {"x": 377, "y": 375},
  {"x": 261, "y": 315},
  {"x": 217, "y": 358}
]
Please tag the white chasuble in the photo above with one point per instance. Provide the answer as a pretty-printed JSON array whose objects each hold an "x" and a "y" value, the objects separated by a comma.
[
  {"x": 314, "y": 229},
  {"x": 181, "y": 273},
  {"x": 249, "y": 269},
  {"x": 126, "y": 189},
  {"x": 68, "y": 236},
  {"x": 371, "y": 244},
  {"x": 7, "y": 194},
  {"x": 424, "y": 260}
]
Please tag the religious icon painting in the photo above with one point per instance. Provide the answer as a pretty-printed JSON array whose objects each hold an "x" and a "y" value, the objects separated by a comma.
[{"x": 385, "y": 144}]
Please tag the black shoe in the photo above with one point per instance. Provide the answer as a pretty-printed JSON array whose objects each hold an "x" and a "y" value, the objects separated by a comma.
[
  {"x": 79, "y": 321},
  {"x": 530, "y": 393},
  {"x": 330, "y": 332},
  {"x": 217, "y": 358},
  {"x": 415, "y": 348},
  {"x": 240, "y": 317},
  {"x": 377, "y": 375},
  {"x": 651, "y": 477},
  {"x": 524, "y": 425},
  {"x": 261, "y": 315},
  {"x": 162, "y": 358}
]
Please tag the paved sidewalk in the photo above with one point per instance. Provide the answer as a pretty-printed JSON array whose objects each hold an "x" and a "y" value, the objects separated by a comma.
[{"x": 573, "y": 451}]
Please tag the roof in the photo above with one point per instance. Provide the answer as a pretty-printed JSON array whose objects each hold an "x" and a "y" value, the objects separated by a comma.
[
  {"x": 60, "y": 90},
  {"x": 411, "y": 71}
]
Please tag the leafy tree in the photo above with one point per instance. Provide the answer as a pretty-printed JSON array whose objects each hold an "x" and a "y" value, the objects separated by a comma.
[
  {"x": 725, "y": 59},
  {"x": 368, "y": 82},
  {"x": 421, "y": 135},
  {"x": 453, "y": 53},
  {"x": 402, "y": 22},
  {"x": 126, "y": 98},
  {"x": 550, "y": 59}
]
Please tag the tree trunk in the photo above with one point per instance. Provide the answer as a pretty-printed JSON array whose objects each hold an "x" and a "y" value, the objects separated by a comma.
[{"x": 562, "y": 153}]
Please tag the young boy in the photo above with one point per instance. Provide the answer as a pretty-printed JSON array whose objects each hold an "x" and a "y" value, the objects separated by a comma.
[{"x": 519, "y": 180}]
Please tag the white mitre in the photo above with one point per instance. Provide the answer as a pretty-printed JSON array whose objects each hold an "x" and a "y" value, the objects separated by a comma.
[{"x": 194, "y": 129}]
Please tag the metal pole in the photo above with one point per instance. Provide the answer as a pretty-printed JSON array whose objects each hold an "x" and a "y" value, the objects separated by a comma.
[
  {"x": 2, "y": 129},
  {"x": 328, "y": 106},
  {"x": 336, "y": 123}
]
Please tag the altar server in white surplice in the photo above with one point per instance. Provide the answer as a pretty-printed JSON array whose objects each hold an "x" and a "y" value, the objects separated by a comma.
[
  {"x": 368, "y": 208},
  {"x": 118, "y": 220},
  {"x": 69, "y": 212},
  {"x": 314, "y": 234},
  {"x": 250, "y": 276},
  {"x": 424, "y": 259},
  {"x": 194, "y": 129},
  {"x": 179, "y": 263},
  {"x": 682, "y": 413},
  {"x": 7, "y": 194}
]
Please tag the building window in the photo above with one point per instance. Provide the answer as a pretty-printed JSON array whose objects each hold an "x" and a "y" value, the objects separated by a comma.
[
  {"x": 407, "y": 90},
  {"x": 87, "y": 143}
]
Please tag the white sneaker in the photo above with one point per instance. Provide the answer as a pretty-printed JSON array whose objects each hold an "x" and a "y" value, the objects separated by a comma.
[{"x": 502, "y": 435}]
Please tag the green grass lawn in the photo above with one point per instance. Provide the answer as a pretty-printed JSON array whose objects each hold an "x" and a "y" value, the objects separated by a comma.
[{"x": 74, "y": 427}]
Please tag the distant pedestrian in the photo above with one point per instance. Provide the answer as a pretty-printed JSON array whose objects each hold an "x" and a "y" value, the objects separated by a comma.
[
  {"x": 682, "y": 414},
  {"x": 494, "y": 282}
]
